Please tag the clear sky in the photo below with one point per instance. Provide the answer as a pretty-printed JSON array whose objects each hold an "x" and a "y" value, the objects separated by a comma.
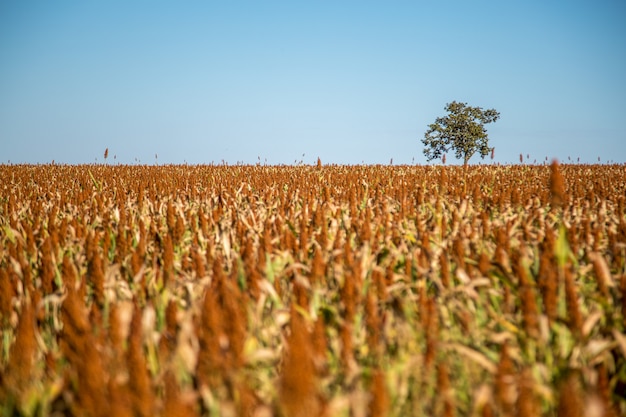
[{"x": 349, "y": 81}]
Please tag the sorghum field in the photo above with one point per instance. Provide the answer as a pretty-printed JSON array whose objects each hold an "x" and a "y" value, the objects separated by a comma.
[{"x": 313, "y": 290}]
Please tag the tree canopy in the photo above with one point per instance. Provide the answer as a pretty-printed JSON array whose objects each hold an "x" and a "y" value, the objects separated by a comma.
[{"x": 462, "y": 130}]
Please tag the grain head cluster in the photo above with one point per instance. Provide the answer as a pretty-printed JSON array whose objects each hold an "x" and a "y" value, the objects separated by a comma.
[{"x": 313, "y": 290}]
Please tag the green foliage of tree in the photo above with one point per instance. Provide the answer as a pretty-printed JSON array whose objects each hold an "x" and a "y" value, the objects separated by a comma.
[{"x": 462, "y": 130}]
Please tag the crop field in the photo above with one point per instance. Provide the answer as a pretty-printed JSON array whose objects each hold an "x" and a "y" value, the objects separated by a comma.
[{"x": 320, "y": 290}]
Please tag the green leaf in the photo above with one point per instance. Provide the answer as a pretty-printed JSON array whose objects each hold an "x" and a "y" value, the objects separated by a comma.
[
  {"x": 96, "y": 183},
  {"x": 10, "y": 234},
  {"x": 562, "y": 249}
]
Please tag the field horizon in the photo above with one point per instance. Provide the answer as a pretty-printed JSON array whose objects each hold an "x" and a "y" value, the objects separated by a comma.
[{"x": 313, "y": 290}]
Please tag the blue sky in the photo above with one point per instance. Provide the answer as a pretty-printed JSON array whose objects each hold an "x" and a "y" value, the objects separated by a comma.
[{"x": 349, "y": 81}]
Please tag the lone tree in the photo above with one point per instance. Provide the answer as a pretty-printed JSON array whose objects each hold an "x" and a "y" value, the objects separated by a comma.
[{"x": 463, "y": 130}]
